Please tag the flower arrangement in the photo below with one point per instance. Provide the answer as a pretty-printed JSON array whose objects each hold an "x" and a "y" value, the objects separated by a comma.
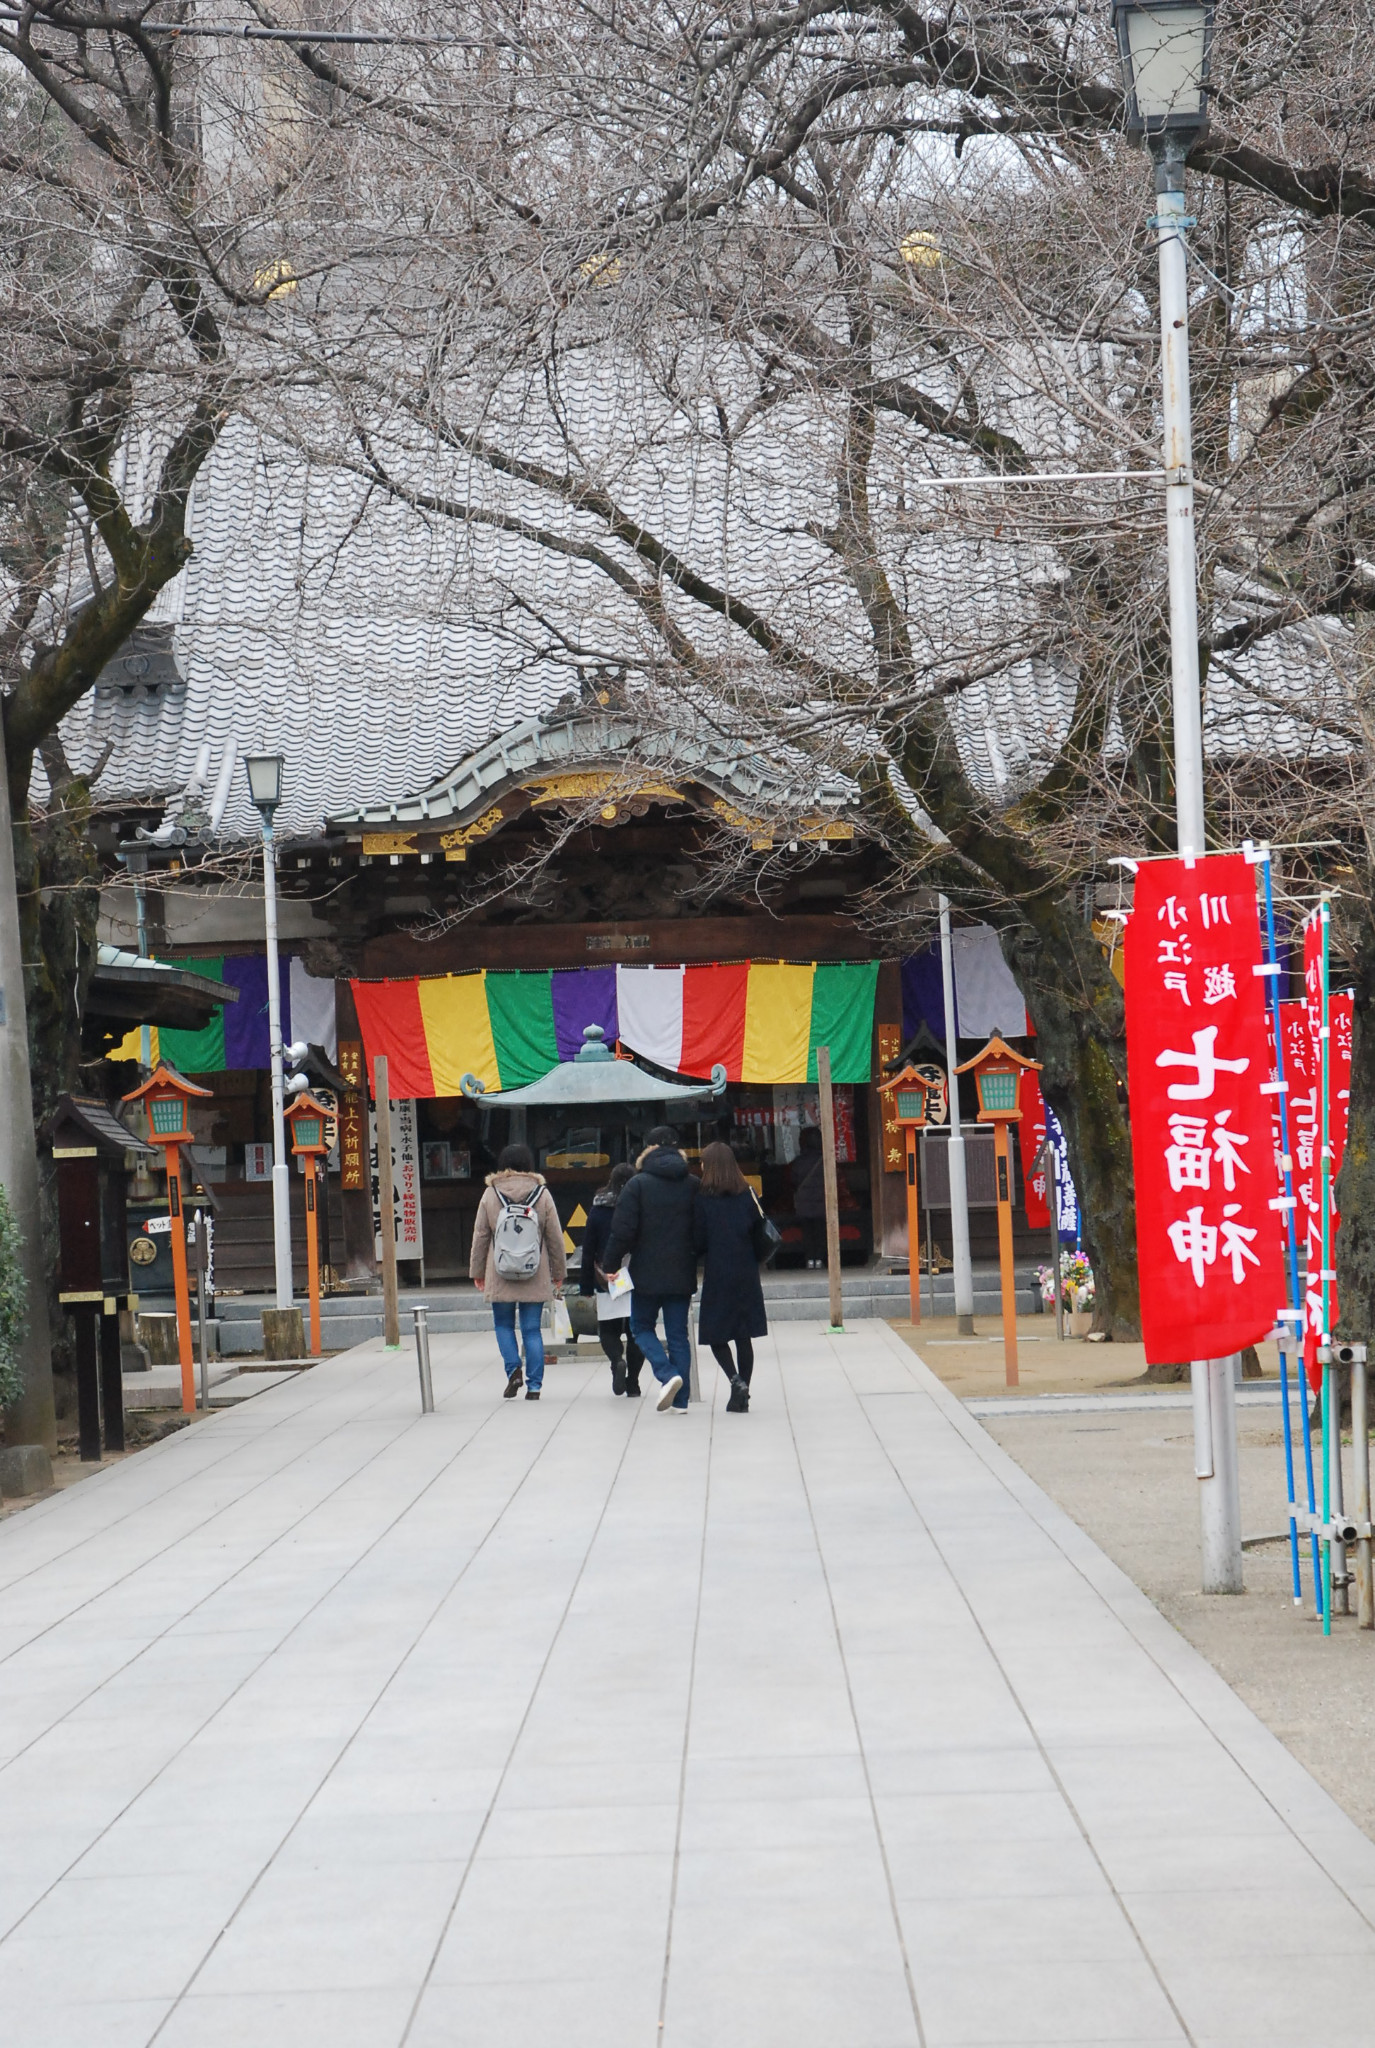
[{"x": 1076, "y": 1281}]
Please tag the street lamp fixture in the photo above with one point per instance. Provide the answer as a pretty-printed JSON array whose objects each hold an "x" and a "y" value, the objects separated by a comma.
[
  {"x": 1166, "y": 50},
  {"x": 265, "y": 788},
  {"x": 265, "y": 781}
]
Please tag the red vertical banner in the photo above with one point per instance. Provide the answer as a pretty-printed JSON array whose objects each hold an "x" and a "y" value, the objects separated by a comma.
[
  {"x": 1306, "y": 1132},
  {"x": 1031, "y": 1136},
  {"x": 1198, "y": 1058}
]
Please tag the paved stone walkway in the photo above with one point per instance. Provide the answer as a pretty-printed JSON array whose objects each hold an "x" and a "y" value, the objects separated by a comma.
[{"x": 326, "y": 1723}]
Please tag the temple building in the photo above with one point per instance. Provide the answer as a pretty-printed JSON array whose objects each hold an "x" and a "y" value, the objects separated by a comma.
[
  {"x": 571, "y": 872},
  {"x": 481, "y": 855}
]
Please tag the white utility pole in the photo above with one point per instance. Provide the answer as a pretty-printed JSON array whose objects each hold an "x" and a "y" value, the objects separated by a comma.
[
  {"x": 264, "y": 773},
  {"x": 281, "y": 1172},
  {"x": 959, "y": 1186},
  {"x": 1215, "y": 1420},
  {"x": 32, "y": 1419}
]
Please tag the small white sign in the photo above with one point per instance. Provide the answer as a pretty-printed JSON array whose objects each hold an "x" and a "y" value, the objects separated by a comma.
[
  {"x": 257, "y": 1162},
  {"x": 405, "y": 1159},
  {"x": 158, "y": 1226}
]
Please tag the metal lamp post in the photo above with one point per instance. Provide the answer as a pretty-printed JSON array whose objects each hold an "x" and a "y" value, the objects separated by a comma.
[
  {"x": 1165, "y": 47},
  {"x": 962, "y": 1263},
  {"x": 1166, "y": 50},
  {"x": 265, "y": 788}
]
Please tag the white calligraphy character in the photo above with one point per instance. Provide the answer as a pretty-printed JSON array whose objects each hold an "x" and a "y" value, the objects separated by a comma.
[
  {"x": 1206, "y": 1064},
  {"x": 1305, "y": 1109},
  {"x": 1188, "y": 1158},
  {"x": 1236, "y": 1243},
  {"x": 1195, "y": 1243},
  {"x": 1225, "y": 1151},
  {"x": 1180, "y": 984},
  {"x": 1218, "y": 984}
]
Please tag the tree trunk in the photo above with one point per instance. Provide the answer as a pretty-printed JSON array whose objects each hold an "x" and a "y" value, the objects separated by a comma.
[
  {"x": 33, "y": 1418},
  {"x": 59, "y": 904},
  {"x": 1079, "y": 1015}
]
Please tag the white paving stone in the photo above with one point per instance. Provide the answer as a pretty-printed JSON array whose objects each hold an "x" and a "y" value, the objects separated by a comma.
[{"x": 817, "y": 1728}]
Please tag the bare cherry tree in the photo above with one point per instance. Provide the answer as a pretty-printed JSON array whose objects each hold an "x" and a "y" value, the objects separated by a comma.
[
  {"x": 728, "y": 342},
  {"x": 174, "y": 218}
]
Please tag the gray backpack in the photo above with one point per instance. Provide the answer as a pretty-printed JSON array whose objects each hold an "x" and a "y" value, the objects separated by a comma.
[{"x": 518, "y": 1239}]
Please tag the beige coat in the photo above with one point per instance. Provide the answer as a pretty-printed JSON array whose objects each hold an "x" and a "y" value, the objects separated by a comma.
[{"x": 553, "y": 1263}]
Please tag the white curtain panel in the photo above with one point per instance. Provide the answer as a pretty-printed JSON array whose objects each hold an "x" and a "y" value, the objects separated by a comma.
[
  {"x": 987, "y": 999},
  {"x": 312, "y": 1010}
]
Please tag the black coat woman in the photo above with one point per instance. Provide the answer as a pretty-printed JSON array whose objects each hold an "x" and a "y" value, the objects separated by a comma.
[
  {"x": 728, "y": 1231},
  {"x": 613, "y": 1311}
]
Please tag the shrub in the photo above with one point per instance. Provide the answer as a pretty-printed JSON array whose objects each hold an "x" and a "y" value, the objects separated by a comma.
[{"x": 12, "y": 1305}]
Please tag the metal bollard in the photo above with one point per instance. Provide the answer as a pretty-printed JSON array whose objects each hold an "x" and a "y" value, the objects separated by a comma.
[{"x": 422, "y": 1351}]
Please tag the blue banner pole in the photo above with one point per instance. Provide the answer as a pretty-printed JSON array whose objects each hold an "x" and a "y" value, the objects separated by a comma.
[{"x": 1294, "y": 1315}]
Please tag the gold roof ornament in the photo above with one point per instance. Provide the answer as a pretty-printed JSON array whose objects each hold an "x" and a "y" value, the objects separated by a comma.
[
  {"x": 920, "y": 250},
  {"x": 277, "y": 279},
  {"x": 603, "y": 269}
]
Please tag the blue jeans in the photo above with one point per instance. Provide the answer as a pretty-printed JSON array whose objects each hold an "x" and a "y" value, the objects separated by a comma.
[
  {"x": 644, "y": 1314},
  {"x": 504, "y": 1316}
]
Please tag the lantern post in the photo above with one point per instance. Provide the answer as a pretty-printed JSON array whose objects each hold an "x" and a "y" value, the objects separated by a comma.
[
  {"x": 308, "y": 1121},
  {"x": 910, "y": 1091},
  {"x": 264, "y": 773},
  {"x": 997, "y": 1072},
  {"x": 167, "y": 1096}
]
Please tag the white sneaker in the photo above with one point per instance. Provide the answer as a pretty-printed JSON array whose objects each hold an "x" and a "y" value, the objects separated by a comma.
[{"x": 670, "y": 1393}]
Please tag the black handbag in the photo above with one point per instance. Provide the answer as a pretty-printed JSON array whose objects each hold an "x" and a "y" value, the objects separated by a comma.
[{"x": 766, "y": 1232}]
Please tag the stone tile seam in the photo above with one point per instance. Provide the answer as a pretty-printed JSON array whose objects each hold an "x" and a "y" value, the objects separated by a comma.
[
  {"x": 1257, "y": 1753},
  {"x": 343, "y": 1481},
  {"x": 638, "y": 1419},
  {"x": 188, "y": 1988},
  {"x": 895, "y": 1909},
  {"x": 687, "y": 1711},
  {"x": 223, "y": 1507},
  {"x": 953, "y": 1410},
  {"x": 175, "y": 1445}
]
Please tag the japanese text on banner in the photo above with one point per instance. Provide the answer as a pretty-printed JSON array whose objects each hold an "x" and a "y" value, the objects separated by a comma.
[
  {"x": 1198, "y": 1057},
  {"x": 1039, "y": 1123},
  {"x": 1305, "y": 1130}
]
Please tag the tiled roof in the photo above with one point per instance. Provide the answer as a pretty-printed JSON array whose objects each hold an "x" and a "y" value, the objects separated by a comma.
[{"x": 379, "y": 650}]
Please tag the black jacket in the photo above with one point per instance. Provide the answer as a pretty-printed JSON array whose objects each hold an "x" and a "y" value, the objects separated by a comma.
[
  {"x": 728, "y": 1229},
  {"x": 652, "y": 1226},
  {"x": 594, "y": 1237}
]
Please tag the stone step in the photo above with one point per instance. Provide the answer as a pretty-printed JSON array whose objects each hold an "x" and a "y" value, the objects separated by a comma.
[
  {"x": 242, "y": 1338},
  {"x": 444, "y": 1298}
]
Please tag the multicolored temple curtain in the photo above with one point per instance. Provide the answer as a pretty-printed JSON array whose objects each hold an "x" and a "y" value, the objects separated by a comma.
[
  {"x": 761, "y": 1020},
  {"x": 237, "y": 1034}
]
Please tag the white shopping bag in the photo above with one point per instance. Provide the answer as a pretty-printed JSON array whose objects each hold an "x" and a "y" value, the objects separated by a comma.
[{"x": 560, "y": 1322}]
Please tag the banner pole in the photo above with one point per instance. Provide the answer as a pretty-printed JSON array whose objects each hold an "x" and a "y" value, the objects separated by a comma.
[
  {"x": 826, "y": 1106},
  {"x": 386, "y": 1203},
  {"x": 1324, "y": 1196},
  {"x": 1291, "y": 1235}
]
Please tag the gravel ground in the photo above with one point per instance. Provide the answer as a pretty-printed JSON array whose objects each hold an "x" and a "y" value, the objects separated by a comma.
[{"x": 1128, "y": 1480}]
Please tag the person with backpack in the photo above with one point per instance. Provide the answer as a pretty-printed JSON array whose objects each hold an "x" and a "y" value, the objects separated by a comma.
[
  {"x": 729, "y": 1232},
  {"x": 652, "y": 1228},
  {"x": 518, "y": 1261},
  {"x": 613, "y": 1310}
]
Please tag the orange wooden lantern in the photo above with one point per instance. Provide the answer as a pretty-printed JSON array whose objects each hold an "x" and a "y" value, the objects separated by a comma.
[
  {"x": 909, "y": 1107},
  {"x": 309, "y": 1121},
  {"x": 997, "y": 1072},
  {"x": 166, "y": 1096}
]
